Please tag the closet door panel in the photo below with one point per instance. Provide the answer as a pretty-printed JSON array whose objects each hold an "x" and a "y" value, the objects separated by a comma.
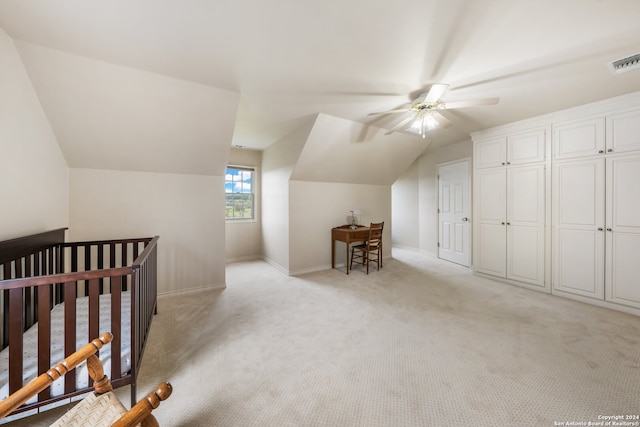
[
  {"x": 579, "y": 262},
  {"x": 579, "y": 138},
  {"x": 623, "y": 131},
  {"x": 624, "y": 258},
  {"x": 525, "y": 195},
  {"x": 490, "y": 250},
  {"x": 525, "y": 224},
  {"x": 525, "y": 257},
  {"x": 490, "y": 195},
  {"x": 490, "y": 153},
  {"x": 578, "y": 228},
  {"x": 526, "y": 147},
  {"x": 489, "y": 226},
  {"x": 623, "y": 230}
]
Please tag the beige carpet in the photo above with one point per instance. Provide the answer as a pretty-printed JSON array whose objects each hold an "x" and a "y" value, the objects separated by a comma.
[{"x": 420, "y": 343}]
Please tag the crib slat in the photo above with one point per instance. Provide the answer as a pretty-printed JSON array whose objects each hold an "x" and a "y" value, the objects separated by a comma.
[
  {"x": 87, "y": 266},
  {"x": 44, "y": 335},
  {"x": 124, "y": 261},
  {"x": 116, "y": 326},
  {"x": 69, "y": 329},
  {"x": 29, "y": 312},
  {"x": 74, "y": 258},
  {"x": 101, "y": 265},
  {"x": 94, "y": 309},
  {"x": 15, "y": 339}
]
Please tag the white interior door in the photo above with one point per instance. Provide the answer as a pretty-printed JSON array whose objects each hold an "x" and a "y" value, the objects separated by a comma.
[{"x": 454, "y": 207}]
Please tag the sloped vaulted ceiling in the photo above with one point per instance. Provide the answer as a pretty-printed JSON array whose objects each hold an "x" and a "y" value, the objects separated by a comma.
[
  {"x": 149, "y": 78},
  {"x": 108, "y": 116},
  {"x": 339, "y": 150}
]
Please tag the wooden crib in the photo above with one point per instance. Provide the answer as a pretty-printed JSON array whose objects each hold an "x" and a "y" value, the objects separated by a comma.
[{"x": 79, "y": 288}]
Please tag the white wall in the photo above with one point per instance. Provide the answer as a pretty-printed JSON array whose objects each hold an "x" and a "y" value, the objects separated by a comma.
[
  {"x": 426, "y": 204},
  {"x": 405, "y": 212},
  {"x": 317, "y": 207},
  {"x": 278, "y": 161},
  {"x": 33, "y": 171},
  {"x": 243, "y": 239},
  {"x": 186, "y": 211}
]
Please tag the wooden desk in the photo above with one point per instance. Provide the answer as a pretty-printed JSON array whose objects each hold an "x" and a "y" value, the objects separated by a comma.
[{"x": 348, "y": 235}]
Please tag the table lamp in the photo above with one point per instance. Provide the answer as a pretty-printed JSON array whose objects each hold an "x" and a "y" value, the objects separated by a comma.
[{"x": 354, "y": 212}]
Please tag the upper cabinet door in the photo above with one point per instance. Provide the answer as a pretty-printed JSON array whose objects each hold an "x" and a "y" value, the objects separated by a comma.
[
  {"x": 490, "y": 153},
  {"x": 623, "y": 131},
  {"x": 526, "y": 147},
  {"x": 578, "y": 138}
]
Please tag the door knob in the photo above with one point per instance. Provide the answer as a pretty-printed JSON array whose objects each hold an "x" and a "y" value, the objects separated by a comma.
[
  {"x": 465, "y": 219},
  {"x": 608, "y": 229},
  {"x": 599, "y": 228}
]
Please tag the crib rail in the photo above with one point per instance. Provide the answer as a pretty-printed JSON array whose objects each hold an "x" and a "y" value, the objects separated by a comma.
[{"x": 73, "y": 270}]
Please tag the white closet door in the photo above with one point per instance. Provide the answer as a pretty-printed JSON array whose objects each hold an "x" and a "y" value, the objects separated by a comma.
[
  {"x": 490, "y": 235},
  {"x": 578, "y": 227},
  {"x": 525, "y": 224},
  {"x": 623, "y": 230}
]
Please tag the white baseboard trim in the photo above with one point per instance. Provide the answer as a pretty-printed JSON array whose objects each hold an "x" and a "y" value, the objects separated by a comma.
[
  {"x": 605, "y": 304},
  {"x": 217, "y": 286},
  {"x": 537, "y": 288},
  {"x": 243, "y": 258},
  {"x": 416, "y": 250},
  {"x": 275, "y": 265}
]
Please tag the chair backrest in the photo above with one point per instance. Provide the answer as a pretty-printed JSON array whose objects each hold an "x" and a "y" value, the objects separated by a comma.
[{"x": 375, "y": 233}]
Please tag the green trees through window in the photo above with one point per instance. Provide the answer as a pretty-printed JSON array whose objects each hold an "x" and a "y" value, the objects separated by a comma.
[{"x": 238, "y": 187}]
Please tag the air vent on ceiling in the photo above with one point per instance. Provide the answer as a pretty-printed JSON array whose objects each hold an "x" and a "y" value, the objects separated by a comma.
[{"x": 625, "y": 64}]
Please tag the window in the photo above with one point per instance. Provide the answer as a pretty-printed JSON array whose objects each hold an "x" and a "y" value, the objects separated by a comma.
[{"x": 238, "y": 187}]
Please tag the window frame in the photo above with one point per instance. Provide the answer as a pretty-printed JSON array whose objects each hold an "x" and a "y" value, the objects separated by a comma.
[{"x": 252, "y": 192}]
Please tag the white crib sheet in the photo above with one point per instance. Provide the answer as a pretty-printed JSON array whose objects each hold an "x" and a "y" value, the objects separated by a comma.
[{"x": 30, "y": 344}]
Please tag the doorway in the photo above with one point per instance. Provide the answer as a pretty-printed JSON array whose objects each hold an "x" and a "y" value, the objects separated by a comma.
[{"x": 454, "y": 207}]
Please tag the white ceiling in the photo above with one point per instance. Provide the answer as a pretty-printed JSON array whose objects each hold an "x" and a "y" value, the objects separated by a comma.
[{"x": 255, "y": 70}]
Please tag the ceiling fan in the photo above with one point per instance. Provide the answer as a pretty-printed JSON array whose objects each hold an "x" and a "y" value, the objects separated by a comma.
[{"x": 423, "y": 114}]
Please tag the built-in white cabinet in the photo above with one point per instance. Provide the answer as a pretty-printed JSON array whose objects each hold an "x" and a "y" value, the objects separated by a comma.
[
  {"x": 556, "y": 203},
  {"x": 515, "y": 149},
  {"x": 510, "y": 223},
  {"x": 612, "y": 133},
  {"x": 596, "y": 228}
]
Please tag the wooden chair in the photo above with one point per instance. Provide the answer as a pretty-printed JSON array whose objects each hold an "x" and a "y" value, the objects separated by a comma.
[
  {"x": 100, "y": 408},
  {"x": 371, "y": 250}
]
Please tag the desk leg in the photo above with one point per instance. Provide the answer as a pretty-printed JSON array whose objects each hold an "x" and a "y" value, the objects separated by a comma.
[
  {"x": 333, "y": 253},
  {"x": 347, "y": 263}
]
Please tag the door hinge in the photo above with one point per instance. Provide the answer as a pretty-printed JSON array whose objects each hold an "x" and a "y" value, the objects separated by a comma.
[
  {"x": 438, "y": 210},
  {"x": 438, "y": 244}
]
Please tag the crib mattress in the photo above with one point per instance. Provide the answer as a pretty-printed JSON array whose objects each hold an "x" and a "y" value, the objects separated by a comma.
[{"x": 30, "y": 344}]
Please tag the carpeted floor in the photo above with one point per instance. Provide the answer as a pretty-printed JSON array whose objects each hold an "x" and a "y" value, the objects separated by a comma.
[{"x": 420, "y": 343}]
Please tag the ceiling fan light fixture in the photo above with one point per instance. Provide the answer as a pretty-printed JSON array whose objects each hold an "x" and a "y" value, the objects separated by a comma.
[{"x": 423, "y": 123}]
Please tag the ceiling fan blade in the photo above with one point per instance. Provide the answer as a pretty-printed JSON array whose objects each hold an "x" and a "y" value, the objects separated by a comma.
[
  {"x": 404, "y": 110},
  {"x": 469, "y": 103},
  {"x": 400, "y": 125},
  {"x": 442, "y": 120},
  {"x": 435, "y": 92}
]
